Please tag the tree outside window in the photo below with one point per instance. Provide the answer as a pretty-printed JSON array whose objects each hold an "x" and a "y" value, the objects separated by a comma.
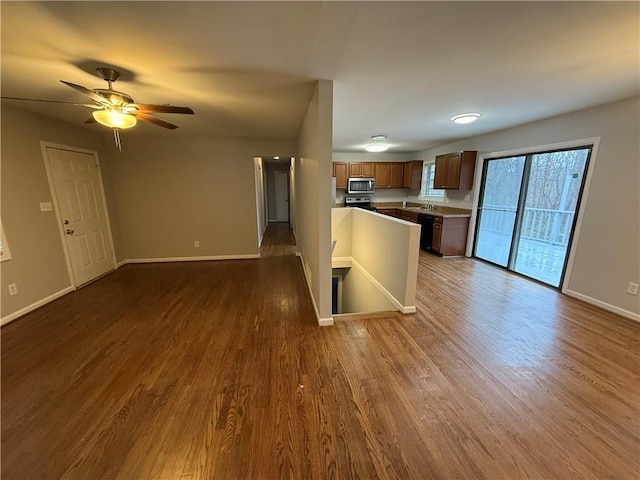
[{"x": 428, "y": 192}]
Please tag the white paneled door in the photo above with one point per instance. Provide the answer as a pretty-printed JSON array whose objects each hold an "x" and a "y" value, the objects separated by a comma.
[
  {"x": 79, "y": 197},
  {"x": 282, "y": 196}
]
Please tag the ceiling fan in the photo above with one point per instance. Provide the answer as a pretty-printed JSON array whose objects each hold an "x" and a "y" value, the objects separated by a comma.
[{"x": 114, "y": 109}]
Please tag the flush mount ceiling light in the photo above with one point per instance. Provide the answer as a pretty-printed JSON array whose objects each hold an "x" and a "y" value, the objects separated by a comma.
[
  {"x": 379, "y": 137},
  {"x": 376, "y": 148},
  {"x": 114, "y": 118},
  {"x": 466, "y": 118}
]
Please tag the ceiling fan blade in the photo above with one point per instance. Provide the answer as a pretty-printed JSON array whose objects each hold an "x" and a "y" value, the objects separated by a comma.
[
  {"x": 143, "y": 107},
  {"x": 150, "y": 118},
  {"x": 92, "y": 95},
  {"x": 90, "y": 105}
]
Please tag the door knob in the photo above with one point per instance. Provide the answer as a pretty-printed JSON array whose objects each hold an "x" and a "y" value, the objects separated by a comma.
[
  {"x": 66, "y": 222},
  {"x": 69, "y": 231}
]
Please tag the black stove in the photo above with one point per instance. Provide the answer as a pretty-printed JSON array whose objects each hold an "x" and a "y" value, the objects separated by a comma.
[{"x": 360, "y": 202}]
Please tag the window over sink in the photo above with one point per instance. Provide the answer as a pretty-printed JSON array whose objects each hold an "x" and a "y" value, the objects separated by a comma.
[{"x": 428, "y": 192}]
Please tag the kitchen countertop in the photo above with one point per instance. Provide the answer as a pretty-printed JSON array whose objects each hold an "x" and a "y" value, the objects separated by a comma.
[{"x": 437, "y": 211}]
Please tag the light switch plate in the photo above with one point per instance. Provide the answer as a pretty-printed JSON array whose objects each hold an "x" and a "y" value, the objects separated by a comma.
[{"x": 46, "y": 207}]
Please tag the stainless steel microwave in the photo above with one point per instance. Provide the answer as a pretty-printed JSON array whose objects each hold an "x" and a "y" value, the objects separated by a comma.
[{"x": 361, "y": 185}]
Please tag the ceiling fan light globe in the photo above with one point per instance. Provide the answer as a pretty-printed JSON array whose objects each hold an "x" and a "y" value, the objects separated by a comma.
[{"x": 114, "y": 119}]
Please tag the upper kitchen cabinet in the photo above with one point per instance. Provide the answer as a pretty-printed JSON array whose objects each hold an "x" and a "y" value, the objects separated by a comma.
[
  {"x": 388, "y": 174},
  {"x": 412, "y": 178},
  {"x": 361, "y": 169},
  {"x": 340, "y": 170},
  {"x": 454, "y": 171},
  {"x": 396, "y": 175}
]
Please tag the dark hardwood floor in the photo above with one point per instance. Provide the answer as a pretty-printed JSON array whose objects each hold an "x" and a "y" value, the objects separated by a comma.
[{"x": 205, "y": 370}]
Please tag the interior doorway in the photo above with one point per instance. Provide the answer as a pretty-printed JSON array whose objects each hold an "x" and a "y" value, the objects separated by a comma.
[
  {"x": 277, "y": 188},
  {"x": 80, "y": 206}
]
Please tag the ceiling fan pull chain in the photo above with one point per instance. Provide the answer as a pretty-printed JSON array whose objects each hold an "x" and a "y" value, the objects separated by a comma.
[{"x": 116, "y": 137}]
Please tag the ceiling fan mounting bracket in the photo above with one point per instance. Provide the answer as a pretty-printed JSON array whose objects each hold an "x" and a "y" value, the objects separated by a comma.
[{"x": 108, "y": 74}]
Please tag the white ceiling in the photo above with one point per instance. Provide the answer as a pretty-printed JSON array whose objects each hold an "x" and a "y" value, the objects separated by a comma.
[{"x": 399, "y": 68}]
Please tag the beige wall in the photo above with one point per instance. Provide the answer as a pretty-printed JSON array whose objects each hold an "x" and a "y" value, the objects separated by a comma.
[
  {"x": 312, "y": 221},
  {"x": 173, "y": 190},
  {"x": 38, "y": 265},
  {"x": 342, "y": 231},
  {"x": 607, "y": 253},
  {"x": 361, "y": 295},
  {"x": 388, "y": 249}
]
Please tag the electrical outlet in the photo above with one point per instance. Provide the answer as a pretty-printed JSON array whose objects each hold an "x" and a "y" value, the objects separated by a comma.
[
  {"x": 46, "y": 207},
  {"x": 632, "y": 288},
  {"x": 13, "y": 289},
  {"x": 196, "y": 243}
]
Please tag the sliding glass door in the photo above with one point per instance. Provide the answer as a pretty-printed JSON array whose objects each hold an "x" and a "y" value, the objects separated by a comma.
[
  {"x": 527, "y": 210},
  {"x": 502, "y": 181}
]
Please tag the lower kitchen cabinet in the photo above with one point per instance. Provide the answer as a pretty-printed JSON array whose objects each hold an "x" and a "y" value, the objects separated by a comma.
[
  {"x": 450, "y": 236},
  {"x": 387, "y": 211}
]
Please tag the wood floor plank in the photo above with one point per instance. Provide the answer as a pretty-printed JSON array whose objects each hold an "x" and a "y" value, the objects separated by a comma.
[{"x": 204, "y": 370}]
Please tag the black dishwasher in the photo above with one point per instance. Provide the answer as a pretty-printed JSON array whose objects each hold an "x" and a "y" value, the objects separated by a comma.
[{"x": 426, "y": 236}]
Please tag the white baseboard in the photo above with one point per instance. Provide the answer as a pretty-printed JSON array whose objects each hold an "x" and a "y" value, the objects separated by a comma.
[
  {"x": 192, "y": 259},
  {"x": 604, "y": 305},
  {"x": 406, "y": 309},
  {"x": 322, "y": 322},
  {"x": 325, "y": 322},
  {"x": 33, "y": 306},
  {"x": 121, "y": 263}
]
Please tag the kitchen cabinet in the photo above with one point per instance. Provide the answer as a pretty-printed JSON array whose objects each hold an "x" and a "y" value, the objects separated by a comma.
[
  {"x": 361, "y": 169},
  {"x": 387, "y": 211},
  {"x": 412, "y": 175},
  {"x": 450, "y": 236},
  {"x": 340, "y": 172},
  {"x": 448, "y": 233},
  {"x": 454, "y": 171},
  {"x": 389, "y": 174},
  {"x": 407, "y": 215},
  {"x": 381, "y": 174},
  {"x": 396, "y": 175}
]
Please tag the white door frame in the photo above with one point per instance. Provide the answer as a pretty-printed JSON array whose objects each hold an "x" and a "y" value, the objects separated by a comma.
[
  {"x": 594, "y": 141},
  {"x": 56, "y": 207},
  {"x": 280, "y": 173}
]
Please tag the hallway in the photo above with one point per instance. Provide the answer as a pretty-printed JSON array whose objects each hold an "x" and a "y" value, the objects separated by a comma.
[{"x": 278, "y": 241}]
